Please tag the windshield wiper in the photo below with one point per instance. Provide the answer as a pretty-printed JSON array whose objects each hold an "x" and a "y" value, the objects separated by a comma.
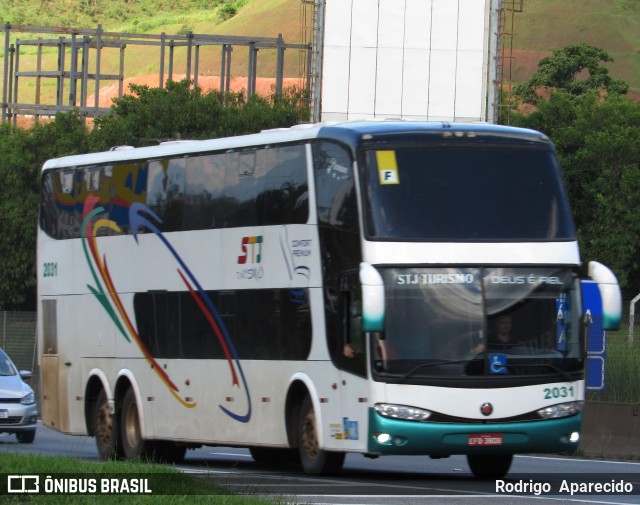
[
  {"x": 548, "y": 365},
  {"x": 459, "y": 361},
  {"x": 431, "y": 363}
]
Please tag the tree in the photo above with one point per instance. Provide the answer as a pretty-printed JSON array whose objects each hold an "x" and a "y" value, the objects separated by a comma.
[
  {"x": 149, "y": 115},
  {"x": 23, "y": 155},
  {"x": 600, "y": 153},
  {"x": 182, "y": 110},
  {"x": 576, "y": 69},
  {"x": 597, "y": 137}
]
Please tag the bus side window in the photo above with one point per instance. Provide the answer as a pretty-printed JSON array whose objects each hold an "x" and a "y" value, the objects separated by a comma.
[
  {"x": 283, "y": 198},
  {"x": 166, "y": 189},
  {"x": 335, "y": 191},
  {"x": 266, "y": 186},
  {"x": 204, "y": 205},
  {"x": 50, "y": 215}
]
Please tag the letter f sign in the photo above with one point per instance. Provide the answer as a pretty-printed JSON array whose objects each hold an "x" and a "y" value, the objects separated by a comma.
[{"x": 387, "y": 167}]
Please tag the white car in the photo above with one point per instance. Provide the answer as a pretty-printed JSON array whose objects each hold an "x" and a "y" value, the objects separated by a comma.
[{"x": 18, "y": 409}]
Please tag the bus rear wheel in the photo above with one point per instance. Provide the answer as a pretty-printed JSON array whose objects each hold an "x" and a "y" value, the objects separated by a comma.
[
  {"x": 133, "y": 445},
  {"x": 490, "y": 466},
  {"x": 103, "y": 427},
  {"x": 314, "y": 460}
]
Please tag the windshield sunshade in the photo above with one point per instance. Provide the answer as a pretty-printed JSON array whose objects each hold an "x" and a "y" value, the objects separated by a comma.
[{"x": 470, "y": 322}]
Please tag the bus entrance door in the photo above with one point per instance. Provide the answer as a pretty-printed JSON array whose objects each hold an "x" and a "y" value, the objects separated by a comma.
[
  {"x": 54, "y": 378},
  {"x": 353, "y": 383}
]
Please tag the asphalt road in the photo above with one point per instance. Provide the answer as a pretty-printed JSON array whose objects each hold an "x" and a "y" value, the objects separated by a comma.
[{"x": 385, "y": 481}]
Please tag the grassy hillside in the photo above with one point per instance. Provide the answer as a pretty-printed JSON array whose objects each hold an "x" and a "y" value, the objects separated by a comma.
[
  {"x": 263, "y": 18},
  {"x": 146, "y": 14},
  {"x": 613, "y": 25}
]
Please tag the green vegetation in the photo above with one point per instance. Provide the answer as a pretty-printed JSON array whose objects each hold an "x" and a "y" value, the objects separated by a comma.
[
  {"x": 613, "y": 25},
  {"x": 147, "y": 116},
  {"x": 576, "y": 69},
  {"x": 597, "y": 136},
  {"x": 598, "y": 141},
  {"x": 181, "y": 111},
  {"x": 228, "y": 9},
  {"x": 169, "y": 486},
  {"x": 82, "y": 13}
]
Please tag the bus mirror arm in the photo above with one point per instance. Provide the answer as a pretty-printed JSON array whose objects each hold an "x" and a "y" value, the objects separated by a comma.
[
  {"x": 609, "y": 293},
  {"x": 372, "y": 298},
  {"x": 587, "y": 321}
]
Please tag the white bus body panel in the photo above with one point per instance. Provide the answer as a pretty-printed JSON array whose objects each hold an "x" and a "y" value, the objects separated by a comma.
[
  {"x": 443, "y": 253},
  {"x": 289, "y": 258},
  {"x": 465, "y": 403}
]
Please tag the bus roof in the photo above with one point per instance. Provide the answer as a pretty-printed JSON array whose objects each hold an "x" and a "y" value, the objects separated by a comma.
[{"x": 349, "y": 132}]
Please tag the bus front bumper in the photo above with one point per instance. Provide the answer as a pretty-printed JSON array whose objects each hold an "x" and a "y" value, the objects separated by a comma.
[{"x": 394, "y": 436}]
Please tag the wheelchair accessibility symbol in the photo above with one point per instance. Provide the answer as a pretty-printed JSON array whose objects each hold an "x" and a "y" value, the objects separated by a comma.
[{"x": 498, "y": 364}]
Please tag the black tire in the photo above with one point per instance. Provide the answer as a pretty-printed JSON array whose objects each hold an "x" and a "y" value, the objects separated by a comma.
[
  {"x": 274, "y": 455},
  {"x": 26, "y": 437},
  {"x": 314, "y": 460},
  {"x": 133, "y": 445},
  {"x": 104, "y": 428},
  {"x": 490, "y": 466}
]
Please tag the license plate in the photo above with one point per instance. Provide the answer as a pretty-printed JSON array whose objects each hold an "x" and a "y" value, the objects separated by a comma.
[
  {"x": 4, "y": 413},
  {"x": 484, "y": 439}
]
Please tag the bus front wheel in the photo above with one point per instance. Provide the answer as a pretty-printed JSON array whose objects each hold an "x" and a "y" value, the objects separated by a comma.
[
  {"x": 490, "y": 466},
  {"x": 315, "y": 460}
]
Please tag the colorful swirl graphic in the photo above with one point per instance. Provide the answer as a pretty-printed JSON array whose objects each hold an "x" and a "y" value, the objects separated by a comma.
[{"x": 140, "y": 216}]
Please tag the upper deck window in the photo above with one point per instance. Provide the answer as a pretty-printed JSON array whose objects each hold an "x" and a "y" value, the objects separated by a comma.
[
  {"x": 464, "y": 193},
  {"x": 259, "y": 186}
]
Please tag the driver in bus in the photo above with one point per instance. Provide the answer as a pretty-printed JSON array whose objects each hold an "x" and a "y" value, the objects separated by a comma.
[{"x": 502, "y": 337}]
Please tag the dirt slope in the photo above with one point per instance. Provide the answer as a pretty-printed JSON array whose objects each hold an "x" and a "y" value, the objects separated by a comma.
[{"x": 264, "y": 86}]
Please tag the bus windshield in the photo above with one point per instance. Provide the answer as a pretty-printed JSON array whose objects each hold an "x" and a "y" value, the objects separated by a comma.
[
  {"x": 464, "y": 192},
  {"x": 470, "y": 322}
]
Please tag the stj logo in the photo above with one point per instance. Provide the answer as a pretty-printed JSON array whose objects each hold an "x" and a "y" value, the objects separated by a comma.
[
  {"x": 22, "y": 484},
  {"x": 251, "y": 250}
]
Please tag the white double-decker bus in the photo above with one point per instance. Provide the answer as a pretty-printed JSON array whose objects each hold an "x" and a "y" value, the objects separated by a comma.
[{"x": 371, "y": 287}]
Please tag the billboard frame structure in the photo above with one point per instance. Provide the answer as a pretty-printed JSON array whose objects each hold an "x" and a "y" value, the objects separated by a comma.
[
  {"x": 362, "y": 27},
  {"x": 79, "y": 55}
]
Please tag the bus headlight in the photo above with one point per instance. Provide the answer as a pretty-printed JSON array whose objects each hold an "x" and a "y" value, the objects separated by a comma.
[
  {"x": 561, "y": 410},
  {"x": 401, "y": 412}
]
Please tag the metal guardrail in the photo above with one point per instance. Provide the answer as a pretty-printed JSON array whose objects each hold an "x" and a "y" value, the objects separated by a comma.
[
  {"x": 18, "y": 337},
  {"x": 79, "y": 58}
]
